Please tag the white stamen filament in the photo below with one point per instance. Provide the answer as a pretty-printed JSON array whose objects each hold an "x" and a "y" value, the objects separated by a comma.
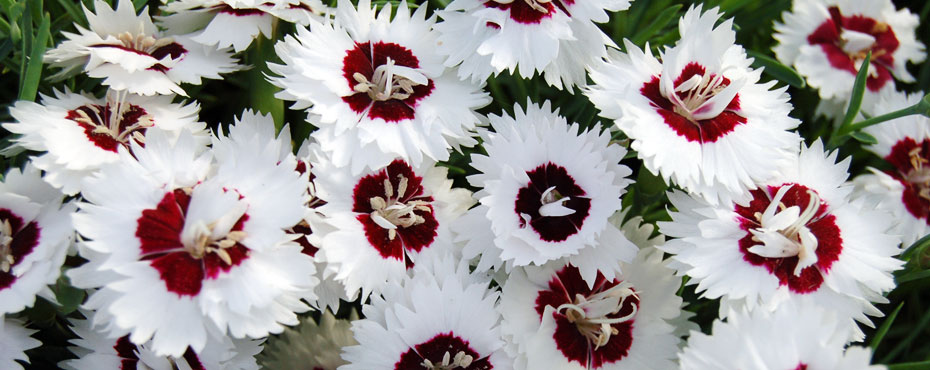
[
  {"x": 785, "y": 233},
  {"x": 552, "y": 204},
  {"x": 390, "y": 212},
  {"x": 449, "y": 362},
  {"x": 590, "y": 314},
  {"x": 109, "y": 124},
  {"x": 389, "y": 81},
  {"x": 6, "y": 248}
]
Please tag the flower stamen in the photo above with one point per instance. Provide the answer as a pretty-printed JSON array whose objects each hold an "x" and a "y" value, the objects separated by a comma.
[
  {"x": 449, "y": 362},
  {"x": 6, "y": 249},
  {"x": 591, "y": 315},
  {"x": 552, "y": 204},
  {"x": 785, "y": 233},
  {"x": 391, "y": 212},
  {"x": 389, "y": 81},
  {"x": 108, "y": 120},
  {"x": 919, "y": 175}
]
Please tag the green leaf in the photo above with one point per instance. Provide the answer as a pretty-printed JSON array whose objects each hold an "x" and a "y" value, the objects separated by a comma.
[
  {"x": 916, "y": 275},
  {"x": 777, "y": 70},
  {"x": 883, "y": 329},
  {"x": 73, "y": 10},
  {"x": 261, "y": 92},
  {"x": 68, "y": 296},
  {"x": 922, "y": 365},
  {"x": 855, "y": 101},
  {"x": 864, "y": 138},
  {"x": 918, "y": 245},
  {"x": 33, "y": 71},
  {"x": 659, "y": 23}
]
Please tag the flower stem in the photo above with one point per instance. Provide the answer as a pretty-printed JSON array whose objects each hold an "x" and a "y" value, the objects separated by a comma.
[{"x": 922, "y": 107}]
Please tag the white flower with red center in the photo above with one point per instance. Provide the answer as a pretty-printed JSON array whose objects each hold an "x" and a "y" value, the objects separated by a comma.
[
  {"x": 558, "y": 39},
  {"x": 698, "y": 116},
  {"x": 441, "y": 318},
  {"x": 35, "y": 232},
  {"x": 79, "y": 133},
  {"x": 311, "y": 345},
  {"x": 14, "y": 341},
  {"x": 197, "y": 243},
  {"x": 799, "y": 237},
  {"x": 904, "y": 190},
  {"x": 129, "y": 53},
  {"x": 827, "y": 40},
  {"x": 95, "y": 350},
  {"x": 797, "y": 336},
  {"x": 383, "y": 221},
  {"x": 548, "y": 190},
  {"x": 235, "y": 23},
  {"x": 378, "y": 86},
  {"x": 558, "y": 321}
]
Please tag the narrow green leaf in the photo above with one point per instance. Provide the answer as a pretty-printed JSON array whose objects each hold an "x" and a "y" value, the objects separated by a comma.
[
  {"x": 34, "y": 67},
  {"x": 261, "y": 92},
  {"x": 864, "y": 138},
  {"x": 922, "y": 365},
  {"x": 26, "y": 27},
  {"x": 855, "y": 101},
  {"x": 883, "y": 329},
  {"x": 916, "y": 275},
  {"x": 777, "y": 70},
  {"x": 660, "y": 22},
  {"x": 919, "y": 244}
]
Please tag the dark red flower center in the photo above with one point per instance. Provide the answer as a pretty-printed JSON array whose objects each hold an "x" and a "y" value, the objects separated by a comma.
[
  {"x": 820, "y": 223},
  {"x": 911, "y": 161},
  {"x": 394, "y": 210},
  {"x": 443, "y": 352},
  {"x": 585, "y": 332},
  {"x": 239, "y": 12},
  {"x": 184, "y": 266},
  {"x": 111, "y": 125},
  {"x": 126, "y": 351},
  {"x": 385, "y": 80},
  {"x": 685, "y": 111},
  {"x": 847, "y": 39},
  {"x": 553, "y": 204},
  {"x": 530, "y": 11},
  {"x": 149, "y": 46},
  {"x": 17, "y": 240}
]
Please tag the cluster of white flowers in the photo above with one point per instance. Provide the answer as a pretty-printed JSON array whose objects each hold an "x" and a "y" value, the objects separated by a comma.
[{"x": 194, "y": 246}]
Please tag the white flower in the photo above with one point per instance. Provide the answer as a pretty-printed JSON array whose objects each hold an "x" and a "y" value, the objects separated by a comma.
[
  {"x": 559, "y": 39},
  {"x": 557, "y": 321},
  {"x": 95, "y": 350},
  {"x": 79, "y": 133},
  {"x": 800, "y": 237},
  {"x": 376, "y": 87},
  {"x": 235, "y": 23},
  {"x": 311, "y": 345},
  {"x": 130, "y": 53},
  {"x": 196, "y": 245},
  {"x": 442, "y": 318},
  {"x": 827, "y": 40},
  {"x": 904, "y": 191},
  {"x": 14, "y": 341},
  {"x": 35, "y": 233},
  {"x": 797, "y": 336},
  {"x": 382, "y": 221},
  {"x": 548, "y": 190},
  {"x": 698, "y": 116}
]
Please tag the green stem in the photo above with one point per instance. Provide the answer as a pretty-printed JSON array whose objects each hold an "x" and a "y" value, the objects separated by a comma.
[{"x": 922, "y": 107}]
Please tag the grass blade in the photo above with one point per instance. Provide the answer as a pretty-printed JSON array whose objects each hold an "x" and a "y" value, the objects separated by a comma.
[
  {"x": 883, "y": 329},
  {"x": 33, "y": 71},
  {"x": 922, "y": 365}
]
